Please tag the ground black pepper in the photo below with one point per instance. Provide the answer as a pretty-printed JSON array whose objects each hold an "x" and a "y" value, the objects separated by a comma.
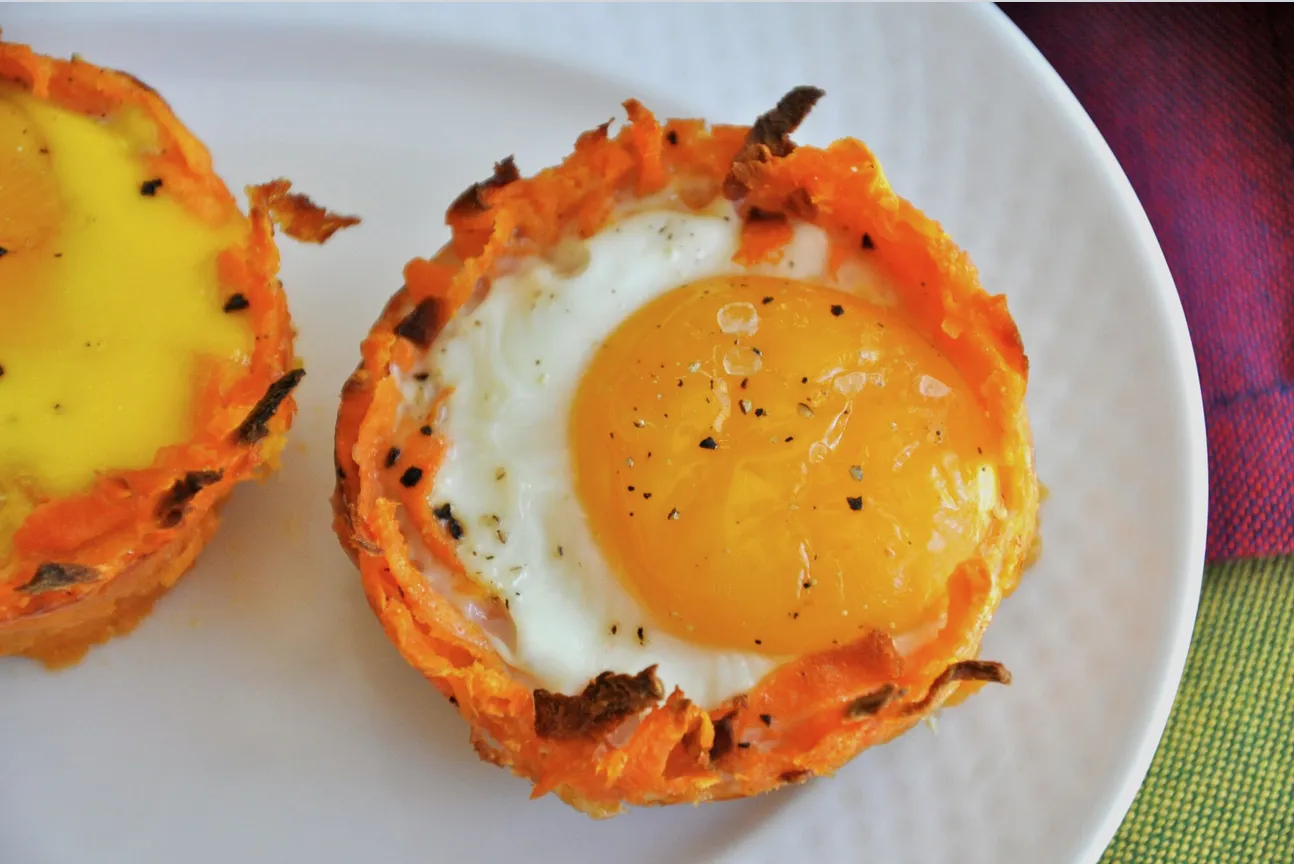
[
  {"x": 445, "y": 513},
  {"x": 392, "y": 457},
  {"x": 867, "y": 241},
  {"x": 410, "y": 477},
  {"x": 236, "y": 303},
  {"x": 149, "y": 187}
]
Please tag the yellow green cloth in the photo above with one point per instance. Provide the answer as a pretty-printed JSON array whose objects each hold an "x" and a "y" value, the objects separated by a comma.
[{"x": 1221, "y": 787}]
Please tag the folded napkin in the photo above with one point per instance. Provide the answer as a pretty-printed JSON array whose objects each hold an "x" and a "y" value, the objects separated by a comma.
[{"x": 1197, "y": 103}]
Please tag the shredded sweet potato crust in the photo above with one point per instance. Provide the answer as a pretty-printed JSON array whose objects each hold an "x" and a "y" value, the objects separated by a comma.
[
  {"x": 807, "y": 717},
  {"x": 73, "y": 548}
]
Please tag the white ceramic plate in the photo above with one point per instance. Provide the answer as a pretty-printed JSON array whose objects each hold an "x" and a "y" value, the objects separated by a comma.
[{"x": 261, "y": 715}]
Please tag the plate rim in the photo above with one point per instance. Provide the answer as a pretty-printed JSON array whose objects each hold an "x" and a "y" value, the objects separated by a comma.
[{"x": 1174, "y": 315}]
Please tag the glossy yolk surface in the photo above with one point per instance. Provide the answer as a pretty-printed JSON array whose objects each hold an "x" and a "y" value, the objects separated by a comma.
[
  {"x": 775, "y": 466},
  {"x": 109, "y": 300}
]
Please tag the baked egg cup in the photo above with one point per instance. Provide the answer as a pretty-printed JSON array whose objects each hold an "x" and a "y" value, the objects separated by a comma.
[
  {"x": 691, "y": 467},
  {"x": 146, "y": 362}
]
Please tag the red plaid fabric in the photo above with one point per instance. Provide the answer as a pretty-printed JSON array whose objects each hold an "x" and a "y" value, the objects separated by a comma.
[{"x": 1197, "y": 103}]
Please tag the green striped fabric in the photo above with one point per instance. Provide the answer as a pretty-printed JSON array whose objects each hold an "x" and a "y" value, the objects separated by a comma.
[{"x": 1221, "y": 787}]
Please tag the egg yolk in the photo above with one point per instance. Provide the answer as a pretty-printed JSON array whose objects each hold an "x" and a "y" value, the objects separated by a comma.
[
  {"x": 109, "y": 297},
  {"x": 776, "y": 466}
]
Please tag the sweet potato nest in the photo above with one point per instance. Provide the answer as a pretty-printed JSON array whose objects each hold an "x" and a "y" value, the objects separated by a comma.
[
  {"x": 89, "y": 566},
  {"x": 623, "y": 741}
]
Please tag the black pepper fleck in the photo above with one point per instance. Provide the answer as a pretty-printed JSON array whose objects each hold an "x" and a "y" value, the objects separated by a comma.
[
  {"x": 766, "y": 719},
  {"x": 392, "y": 457},
  {"x": 768, "y": 300},
  {"x": 641, "y": 636},
  {"x": 867, "y": 241},
  {"x": 855, "y": 503},
  {"x": 671, "y": 136},
  {"x": 837, "y": 310},
  {"x": 410, "y": 477},
  {"x": 709, "y": 443},
  {"x": 760, "y": 412},
  {"x": 445, "y": 513},
  {"x": 149, "y": 187},
  {"x": 425, "y": 430},
  {"x": 236, "y": 303},
  {"x": 3, "y": 251}
]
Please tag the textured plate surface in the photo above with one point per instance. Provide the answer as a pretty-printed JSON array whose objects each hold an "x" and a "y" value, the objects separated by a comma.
[{"x": 260, "y": 714}]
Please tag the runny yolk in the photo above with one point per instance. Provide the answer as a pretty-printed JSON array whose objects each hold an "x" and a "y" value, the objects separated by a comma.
[
  {"x": 109, "y": 300},
  {"x": 776, "y": 466}
]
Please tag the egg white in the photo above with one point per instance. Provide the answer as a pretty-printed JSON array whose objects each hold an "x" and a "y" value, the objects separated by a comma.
[{"x": 515, "y": 362}]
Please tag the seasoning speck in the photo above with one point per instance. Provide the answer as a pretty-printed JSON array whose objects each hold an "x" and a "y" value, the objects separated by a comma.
[
  {"x": 855, "y": 503},
  {"x": 392, "y": 457},
  {"x": 867, "y": 241},
  {"x": 856, "y": 471},
  {"x": 640, "y": 423},
  {"x": 768, "y": 300},
  {"x": 805, "y": 411},
  {"x": 425, "y": 430},
  {"x": 149, "y": 187},
  {"x": 641, "y": 636},
  {"x": 673, "y": 513},
  {"x": 236, "y": 303},
  {"x": 410, "y": 477},
  {"x": 837, "y": 310},
  {"x": 745, "y": 406},
  {"x": 709, "y": 443},
  {"x": 760, "y": 412},
  {"x": 445, "y": 513},
  {"x": 3, "y": 251}
]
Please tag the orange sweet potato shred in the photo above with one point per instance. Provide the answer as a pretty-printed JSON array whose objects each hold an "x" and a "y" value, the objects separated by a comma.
[
  {"x": 807, "y": 717},
  {"x": 89, "y": 566}
]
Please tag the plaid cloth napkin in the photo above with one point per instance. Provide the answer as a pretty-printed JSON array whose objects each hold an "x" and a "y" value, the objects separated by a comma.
[{"x": 1197, "y": 103}]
